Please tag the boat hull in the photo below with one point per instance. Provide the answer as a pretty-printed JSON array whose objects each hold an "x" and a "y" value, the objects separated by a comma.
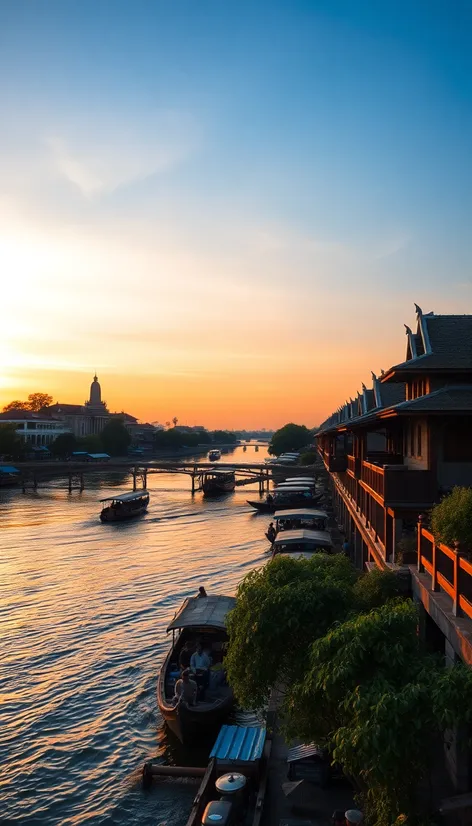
[
  {"x": 218, "y": 488},
  {"x": 110, "y": 515},
  {"x": 191, "y": 725},
  {"x": 266, "y": 507}
]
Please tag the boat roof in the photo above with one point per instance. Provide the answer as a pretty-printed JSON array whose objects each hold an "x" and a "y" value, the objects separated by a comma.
[
  {"x": 305, "y": 483},
  {"x": 126, "y": 497},
  {"x": 219, "y": 471},
  {"x": 299, "y": 479},
  {"x": 99, "y": 455},
  {"x": 301, "y": 513},
  {"x": 291, "y": 488},
  {"x": 303, "y": 535},
  {"x": 198, "y": 611},
  {"x": 239, "y": 743},
  {"x": 8, "y": 469}
]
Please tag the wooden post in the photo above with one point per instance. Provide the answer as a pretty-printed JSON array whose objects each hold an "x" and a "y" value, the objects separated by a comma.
[
  {"x": 82, "y": 483},
  {"x": 420, "y": 565},
  {"x": 434, "y": 581},
  {"x": 192, "y": 476},
  {"x": 456, "y": 608},
  {"x": 145, "y": 478},
  {"x": 35, "y": 481},
  {"x": 134, "y": 478},
  {"x": 70, "y": 482}
]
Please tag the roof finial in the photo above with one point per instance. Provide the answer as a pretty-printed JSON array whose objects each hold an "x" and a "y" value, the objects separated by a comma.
[
  {"x": 364, "y": 388},
  {"x": 374, "y": 377},
  {"x": 408, "y": 329},
  {"x": 418, "y": 309}
]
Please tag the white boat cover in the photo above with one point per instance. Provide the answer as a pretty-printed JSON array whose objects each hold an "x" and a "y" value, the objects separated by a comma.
[
  {"x": 296, "y": 537},
  {"x": 301, "y": 513},
  {"x": 203, "y": 611}
]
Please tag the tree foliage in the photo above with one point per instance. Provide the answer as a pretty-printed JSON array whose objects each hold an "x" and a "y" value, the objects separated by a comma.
[
  {"x": 308, "y": 457},
  {"x": 64, "y": 445},
  {"x": 289, "y": 437},
  {"x": 115, "y": 438},
  {"x": 451, "y": 519},
  {"x": 10, "y": 443},
  {"x": 35, "y": 402},
  {"x": 91, "y": 444},
  {"x": 375, "y": 588},
  {"x": 281, "y": 608}
]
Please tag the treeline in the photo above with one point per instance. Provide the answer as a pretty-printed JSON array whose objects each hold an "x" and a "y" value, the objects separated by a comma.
[
  {"x": 174, "y": 439},
  {"x": 114, "y": 440}
]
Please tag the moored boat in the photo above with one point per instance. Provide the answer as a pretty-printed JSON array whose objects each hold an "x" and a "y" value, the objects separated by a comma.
[
  {"x": 294, "y": 518},
  {"x": 199, "y": 620},
  {"x": 214, "y": 455},
  {"x": 9, "y": 476},
  {"x": 216, "y": 482},
  {"x": 234, "y": 786},
  {"x": 302, "y": 544},
  {"x": 292, "y": 497},
  {"x": 124, "y": 506}
]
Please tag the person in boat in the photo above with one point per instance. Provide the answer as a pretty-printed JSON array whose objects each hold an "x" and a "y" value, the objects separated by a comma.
[
  {"x": 201, "y": 592},
  {"x": 185, "y": 655},
  {"x": 186, "y": 689},
  {"x": 271, "y": 533},
  {"x": 200, "y": 664},
  {"x": 270, "y": 499}
]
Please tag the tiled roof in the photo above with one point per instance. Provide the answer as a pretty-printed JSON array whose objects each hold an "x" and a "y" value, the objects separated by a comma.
[
  {"x": 450, "y": 337},
  {"x": 455, "y": 398},
  {"x": 391, "y": 394},
  {"x": 22, "y": 415},
  {"x": 67, "y": 409}
]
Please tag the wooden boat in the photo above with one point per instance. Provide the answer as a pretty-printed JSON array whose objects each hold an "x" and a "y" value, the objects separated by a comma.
[
  {"x": 302, "y": 544},
  {"x": 293, "y": 518},
  {"x": 286, "y": 498},
  {"x": 216, "y": 482},
  {"x": 234, "y": 785},
  {"x": 125, "y": 506},
  {"x": 213, "y": 455},
  {"x": 198, "y": 619}
]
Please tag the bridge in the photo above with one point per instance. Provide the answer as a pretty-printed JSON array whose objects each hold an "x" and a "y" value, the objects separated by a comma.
[{"x": 246, "y": 473}]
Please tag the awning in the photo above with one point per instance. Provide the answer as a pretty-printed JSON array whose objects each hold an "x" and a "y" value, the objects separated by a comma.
[
  {"x": 127, "y": 497},
  {"x": 203, "y": 611},
  {"x": 303, "y": 535},
  {"x": 301, "y": 513}
]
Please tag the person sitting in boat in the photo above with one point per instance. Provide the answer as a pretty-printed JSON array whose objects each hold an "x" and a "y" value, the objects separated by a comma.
[
  {"x": 200, "y": 664},
  {"x": 271, "y": 533},
  {"x": 185, "y": 655},
  {"x": 270, "y": 499},
  {"x": 185, "y": 689},
  {"x": 201, "y": 592}
]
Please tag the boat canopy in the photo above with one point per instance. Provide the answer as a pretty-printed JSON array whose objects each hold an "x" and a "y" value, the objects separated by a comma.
[
  {"x": 299, "y": 479},
  {"x": 220, "y": 472},
  {"x": 126, "y": 497},
  {"x": 319, "y": 538},
  {"x": 293, "y": 489},
  {"x": 304, "y": 484},
  {"x": 203, "y": 611},
  {"x": 8, "y": 469},
  {"x": 239, "y": 743},
  {"x": 301, "y": 513}
]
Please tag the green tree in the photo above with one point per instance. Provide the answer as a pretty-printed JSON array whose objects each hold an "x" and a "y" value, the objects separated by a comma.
[
  {"x": 308, "y": 457},
  {"x": 281, "y": 608},
  {"x": 92, "y": 444},
  {"x": 223, "y": 437},
  {"x": 168, "y": 439},
  {"x": 451, "y": 519},
  {"x": 115, "y": 438},
  {"x": 375, "y": 588},
  {"x": 35, "y": 402},
  {"x": 290, "y": 437},
  {"x": 64, "y": 445},
  {"x": 10, "y": 443}
]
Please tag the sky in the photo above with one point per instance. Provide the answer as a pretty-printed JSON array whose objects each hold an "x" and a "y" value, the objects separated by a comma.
[{"x": 228, "y": 209}]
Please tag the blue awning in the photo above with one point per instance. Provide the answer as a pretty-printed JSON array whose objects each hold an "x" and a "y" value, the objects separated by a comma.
[
  {"x": 239, "y": 743},
  {"x": 8, "y": 469}
]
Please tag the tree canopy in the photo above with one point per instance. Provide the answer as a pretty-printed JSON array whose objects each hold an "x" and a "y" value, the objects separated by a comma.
[
  {"x": 35, "y": 402},
  {"x": 115, "y": 438},
  {"x": 451, "y": 519},
  {"x": 10, "y": 443},
  {"x": 64, "y": 445},
  {"x": 289, "y": 437}
]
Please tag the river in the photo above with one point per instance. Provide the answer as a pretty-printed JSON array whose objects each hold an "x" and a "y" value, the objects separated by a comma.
[{"x": 83, "y": 612}]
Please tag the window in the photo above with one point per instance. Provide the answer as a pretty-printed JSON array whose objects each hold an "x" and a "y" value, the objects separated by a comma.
[
  {"x": 418, "y": 440},
  {"x": 31, "y": 425}
]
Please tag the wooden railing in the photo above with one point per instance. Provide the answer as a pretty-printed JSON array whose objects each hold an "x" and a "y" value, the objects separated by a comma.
[
  {"x": 373, "y": 477},
  {"x": 354, "y": 465},
  {"x": 450, "y": 570}
]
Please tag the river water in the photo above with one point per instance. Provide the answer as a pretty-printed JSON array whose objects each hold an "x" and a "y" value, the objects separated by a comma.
[{"x": 83, "y": 612}]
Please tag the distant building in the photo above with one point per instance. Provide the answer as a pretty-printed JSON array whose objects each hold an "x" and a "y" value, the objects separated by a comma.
[
  {"x": 35, "y": 428},
  {"x": 87, "y": 419}
]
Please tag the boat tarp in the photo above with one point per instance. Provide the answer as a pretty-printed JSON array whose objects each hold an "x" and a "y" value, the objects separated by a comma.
[
  {"x": 200, "y": 611},
  {"x": 301, "y": 513},
  {"x": 303, "y": 535},
  {"x": 126, "y": 497},
  {"x": 294, "y": 489},
  {"x": 303, "y": 751},
  {"x": 239, "y": 743}
]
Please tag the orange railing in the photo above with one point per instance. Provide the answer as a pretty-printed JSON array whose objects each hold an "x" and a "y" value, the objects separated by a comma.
[
  {"x": 449, "y": 569},
  {"x": 373, "y": 477}
]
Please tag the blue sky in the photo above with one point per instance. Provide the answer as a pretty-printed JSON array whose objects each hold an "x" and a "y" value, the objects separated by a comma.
[{"x": 264, "y": 156}]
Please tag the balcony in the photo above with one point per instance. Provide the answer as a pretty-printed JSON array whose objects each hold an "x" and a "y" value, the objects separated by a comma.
[
  {"x": 396, "y": 485},
  {"x": 449, "y": 569},
  {"x": 337, "y": 464}
]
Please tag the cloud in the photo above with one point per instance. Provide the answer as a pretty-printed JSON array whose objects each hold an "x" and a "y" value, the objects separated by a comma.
[{"x": 99, "y": 158}]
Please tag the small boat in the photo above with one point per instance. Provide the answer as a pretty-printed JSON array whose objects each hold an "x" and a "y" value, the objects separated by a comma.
[
  {"x": 216, "y": 482},
  {"x": 234, "y": 785},
  {"x": 214, "y": 455},
  {"x": 125, "y": 506},
  {"x": 294, "y": 518},
  {"x": 302, "y": 544},
  {"x": 291, "y": 497},
  {"x": 198, "y": 619},
  {"x": 9, "y": 476}
]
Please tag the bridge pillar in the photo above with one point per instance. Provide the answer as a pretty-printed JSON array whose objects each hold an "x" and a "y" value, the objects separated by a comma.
[
  {"x": 70, "y": 482},
  {"x": 82, "y": 483},
  {"x": 145, "y": 478},
  {"x": 134, "y": 478}
]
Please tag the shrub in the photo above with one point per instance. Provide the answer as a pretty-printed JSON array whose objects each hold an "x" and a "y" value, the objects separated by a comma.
[
  {"x": 308, "y": 458},
  {"x": 451, "y": 520}
]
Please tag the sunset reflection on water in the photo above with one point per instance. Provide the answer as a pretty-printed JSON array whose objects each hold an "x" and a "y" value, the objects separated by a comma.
[{"x": 83, "y": 611}]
